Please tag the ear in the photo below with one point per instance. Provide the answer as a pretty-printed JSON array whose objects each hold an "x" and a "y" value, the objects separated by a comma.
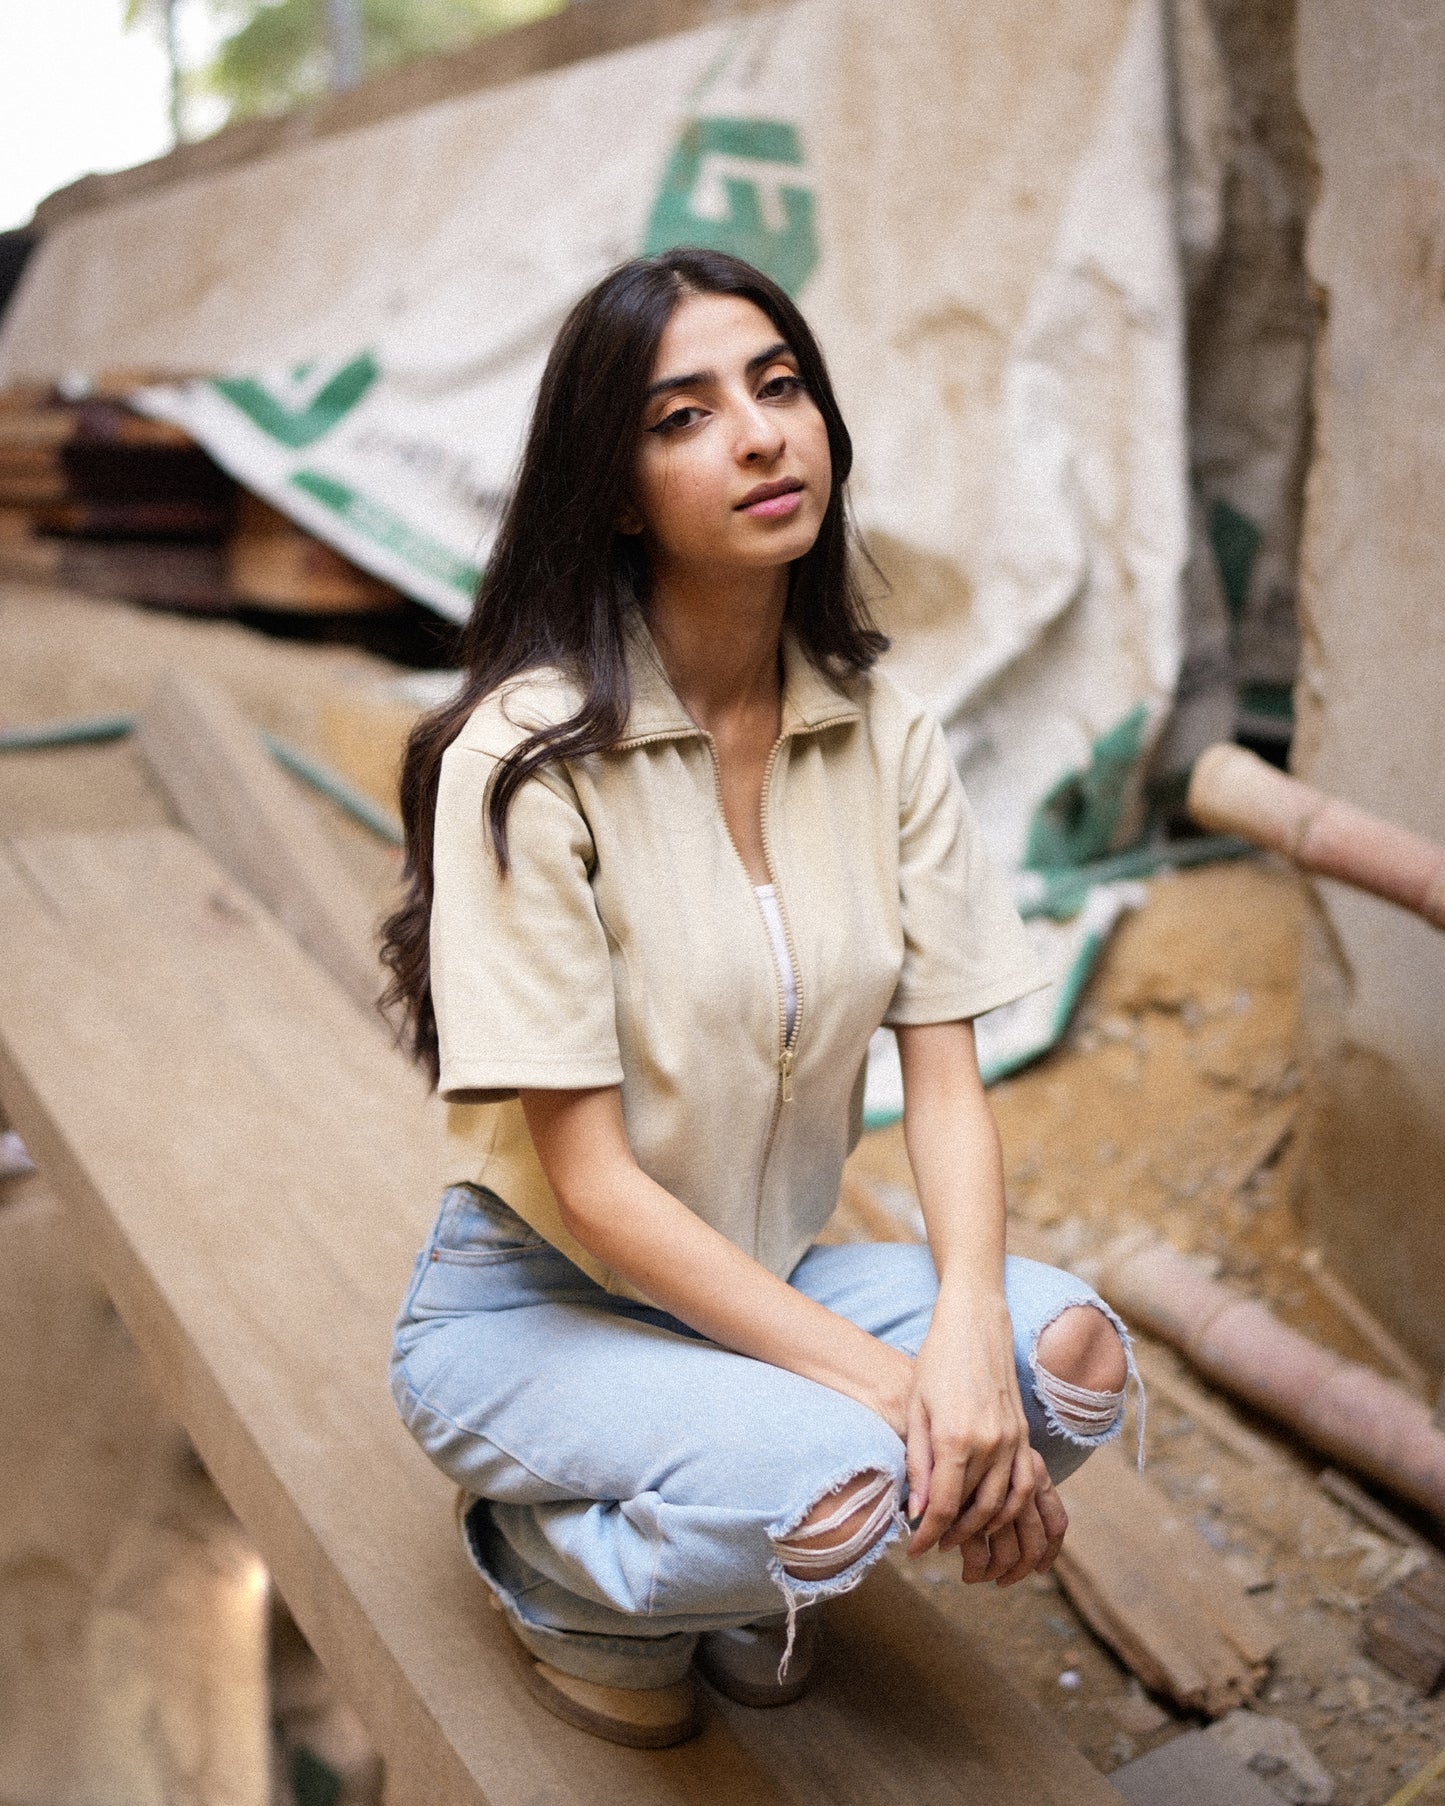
[{"x": 629, "y": 521}]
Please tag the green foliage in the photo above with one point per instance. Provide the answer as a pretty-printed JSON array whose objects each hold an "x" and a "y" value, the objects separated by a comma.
[{"x": 273, "y": 54}]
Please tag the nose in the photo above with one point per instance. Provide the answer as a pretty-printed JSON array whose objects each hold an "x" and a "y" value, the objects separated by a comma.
[{"x": 760, "y": 435}]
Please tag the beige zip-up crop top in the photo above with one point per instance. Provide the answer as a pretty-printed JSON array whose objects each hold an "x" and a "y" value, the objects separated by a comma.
[{"x": 626, "y": 946}]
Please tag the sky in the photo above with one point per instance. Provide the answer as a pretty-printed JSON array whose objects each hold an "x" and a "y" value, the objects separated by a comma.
[{"x": 76, "y": 93}]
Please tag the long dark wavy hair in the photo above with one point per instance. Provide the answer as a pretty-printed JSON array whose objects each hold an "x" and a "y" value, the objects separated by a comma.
[{"x": 562, "y": 580}]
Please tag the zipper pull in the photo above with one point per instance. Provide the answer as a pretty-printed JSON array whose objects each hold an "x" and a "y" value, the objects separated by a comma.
[{"x": 785, "y": 1073}]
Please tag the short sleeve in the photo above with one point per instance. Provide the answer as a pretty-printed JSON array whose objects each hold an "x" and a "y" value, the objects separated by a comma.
[
  {"x": 964, "y": 947},
  {"x": 521, "y": 977}
]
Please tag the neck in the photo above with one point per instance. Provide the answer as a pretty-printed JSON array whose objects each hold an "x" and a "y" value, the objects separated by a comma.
[{"x": 719, "y": 638}]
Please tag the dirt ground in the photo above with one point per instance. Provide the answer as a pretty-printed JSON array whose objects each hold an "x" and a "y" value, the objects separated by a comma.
[{"x": 1170, "y": 1109}]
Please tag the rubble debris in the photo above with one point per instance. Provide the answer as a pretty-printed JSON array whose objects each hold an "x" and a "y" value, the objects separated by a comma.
[
  {"x": 1157, "y": 1594},
  {"x": 1193, "y": 1767},
  {"x": 1413, "y": 1788},
  {"x": 1133, "y": 1711},
  {"x": 1276, "y": 1752},
  {"x": 1156, "y": 1366},
  {"x": 322, "y": 1746},
  {"x": 1404, "y": 1628}
]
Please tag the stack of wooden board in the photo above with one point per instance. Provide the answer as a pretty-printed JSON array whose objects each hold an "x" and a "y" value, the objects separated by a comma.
[
  {"x": 102, "y": 498},
  {"x": 252, "y": 1164},
  {"x": 272, "y": 563}
]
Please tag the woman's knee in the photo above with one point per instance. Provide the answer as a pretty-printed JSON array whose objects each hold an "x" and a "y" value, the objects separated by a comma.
[
  {"x": 840, "y": 1528},
  {"x": 1081, "y": 1368},
  {"x": 1083, "y": 1348}
]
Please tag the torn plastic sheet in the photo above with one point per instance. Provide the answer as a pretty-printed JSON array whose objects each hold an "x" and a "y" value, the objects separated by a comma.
[{"x": 995, "y": 278}]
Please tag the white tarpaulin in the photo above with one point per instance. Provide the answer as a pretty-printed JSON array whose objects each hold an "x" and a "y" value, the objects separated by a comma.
[{"x": 973, "y": 205}]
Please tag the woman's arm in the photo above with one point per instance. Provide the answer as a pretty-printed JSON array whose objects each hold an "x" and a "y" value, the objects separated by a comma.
[
  {"x": 968, "y": 1443},
  {"x": 641, "y": 1231}
]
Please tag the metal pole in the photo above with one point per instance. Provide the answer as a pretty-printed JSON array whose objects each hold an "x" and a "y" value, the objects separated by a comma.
[{"x": 344, "y": 31}]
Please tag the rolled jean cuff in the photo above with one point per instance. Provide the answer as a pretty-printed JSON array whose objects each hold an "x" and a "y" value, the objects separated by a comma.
[{"x": 641, "y": 1662}]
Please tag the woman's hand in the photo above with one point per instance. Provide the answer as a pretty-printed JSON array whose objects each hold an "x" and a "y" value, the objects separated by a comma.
[
  {"x": 974, "y": 1482},
  {"x": 971, "y": 1472},
  {"x": 1028, "y": 1545}
]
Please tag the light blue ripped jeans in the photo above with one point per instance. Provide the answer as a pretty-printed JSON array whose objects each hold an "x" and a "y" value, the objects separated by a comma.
[{"x": 632, "y": 1478}]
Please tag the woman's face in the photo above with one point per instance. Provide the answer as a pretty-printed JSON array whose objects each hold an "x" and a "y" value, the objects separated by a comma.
[{"x": 733, "y": 471}]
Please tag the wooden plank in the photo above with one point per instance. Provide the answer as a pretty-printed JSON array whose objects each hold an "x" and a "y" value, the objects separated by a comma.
[
  {"x": 1405, "y": 1627},
  {"x": 172, "y": 573},
  {"x": 273, "y": 563},
  {"x": 1349, "y": 1493},
  {"x": 254, "y": 1175},
  {"x": 226, "y": 789},
  {"x": 1157, "y": 1594}
]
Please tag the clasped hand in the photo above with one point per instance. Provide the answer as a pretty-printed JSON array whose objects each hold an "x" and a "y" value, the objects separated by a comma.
[{"x": 975, "y": 1483}]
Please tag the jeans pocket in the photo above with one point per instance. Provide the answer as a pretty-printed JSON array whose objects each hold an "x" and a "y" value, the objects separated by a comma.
[{"x": 475, "y": 1228}]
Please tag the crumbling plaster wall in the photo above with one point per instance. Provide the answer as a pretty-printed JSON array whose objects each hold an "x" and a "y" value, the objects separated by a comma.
[{"x": 1371, "y": 695}]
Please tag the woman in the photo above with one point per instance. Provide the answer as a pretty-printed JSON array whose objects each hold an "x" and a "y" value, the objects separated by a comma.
[{"x": 674, "y": 853}]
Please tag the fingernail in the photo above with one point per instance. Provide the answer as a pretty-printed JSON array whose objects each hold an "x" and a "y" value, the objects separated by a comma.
[{"x": 913, "y": 1523}]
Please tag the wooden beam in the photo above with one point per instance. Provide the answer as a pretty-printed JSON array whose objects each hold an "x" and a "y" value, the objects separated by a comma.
[
  {"x": 1155, "y": 1591},
  {"x": 225, "y": 788},
  {"x": 254, "y": 1173}
]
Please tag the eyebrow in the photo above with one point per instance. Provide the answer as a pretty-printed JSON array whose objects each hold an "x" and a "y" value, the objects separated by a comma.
[{"x": 696, "y": 379}]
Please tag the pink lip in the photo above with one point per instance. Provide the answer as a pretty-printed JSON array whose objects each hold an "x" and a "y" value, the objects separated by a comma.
[{"x": 770, "y": 501}]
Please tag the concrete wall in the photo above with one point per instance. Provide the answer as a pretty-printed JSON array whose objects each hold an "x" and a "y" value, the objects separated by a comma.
[{"x": 1371, "y": 696}]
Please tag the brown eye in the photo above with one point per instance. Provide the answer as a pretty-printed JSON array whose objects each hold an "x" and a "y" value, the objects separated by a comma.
[
  {"x": 676, "y": 420},
  {"x": 782, "y": 386}
]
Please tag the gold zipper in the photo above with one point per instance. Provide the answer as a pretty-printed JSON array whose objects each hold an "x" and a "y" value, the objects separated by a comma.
[{"x": 787, "y": 1044}]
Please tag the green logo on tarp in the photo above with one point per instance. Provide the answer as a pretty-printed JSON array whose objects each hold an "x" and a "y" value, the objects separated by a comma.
[
  {"x": 739, "y": 185},
  {"x": 298, "y": 410},
  {"x": 1077, "y": 820},
  {"x": 390, "y": 531}
]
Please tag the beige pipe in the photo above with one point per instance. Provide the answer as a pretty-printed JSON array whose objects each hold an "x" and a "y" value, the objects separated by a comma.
[
  {"x": 1232, "y": 791},
  {"x": 1350, "y": 1412}
]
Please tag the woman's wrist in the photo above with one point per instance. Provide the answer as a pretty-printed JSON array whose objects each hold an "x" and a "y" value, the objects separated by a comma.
[
  {"x": 965, "y": 1292},
  {"x": 890, "y": 1386}
]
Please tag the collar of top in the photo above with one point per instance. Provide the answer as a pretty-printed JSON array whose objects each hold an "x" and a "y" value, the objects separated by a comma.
[{"x": 811, "y": 700}]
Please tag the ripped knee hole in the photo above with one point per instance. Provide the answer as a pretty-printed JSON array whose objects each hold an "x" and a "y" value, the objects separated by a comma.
[
  {"x": 834, "y": 1535},
  {"x": 1085, "y": 1343}
]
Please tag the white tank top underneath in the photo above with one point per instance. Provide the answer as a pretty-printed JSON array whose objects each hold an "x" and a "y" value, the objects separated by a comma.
[{"x": 777, "y": 934}]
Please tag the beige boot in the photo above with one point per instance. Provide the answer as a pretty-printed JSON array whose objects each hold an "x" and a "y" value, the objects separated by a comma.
[
  {"x": 742, "y": 1663},
  {"x": 644, "y": 1718}
]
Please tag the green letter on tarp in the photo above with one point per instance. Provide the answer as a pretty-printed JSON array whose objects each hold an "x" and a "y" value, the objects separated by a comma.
[
  {"x": 309, "y": 412},
  {"x": 738, "y": 185},
  {"x": 1075, "y": 822}
]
